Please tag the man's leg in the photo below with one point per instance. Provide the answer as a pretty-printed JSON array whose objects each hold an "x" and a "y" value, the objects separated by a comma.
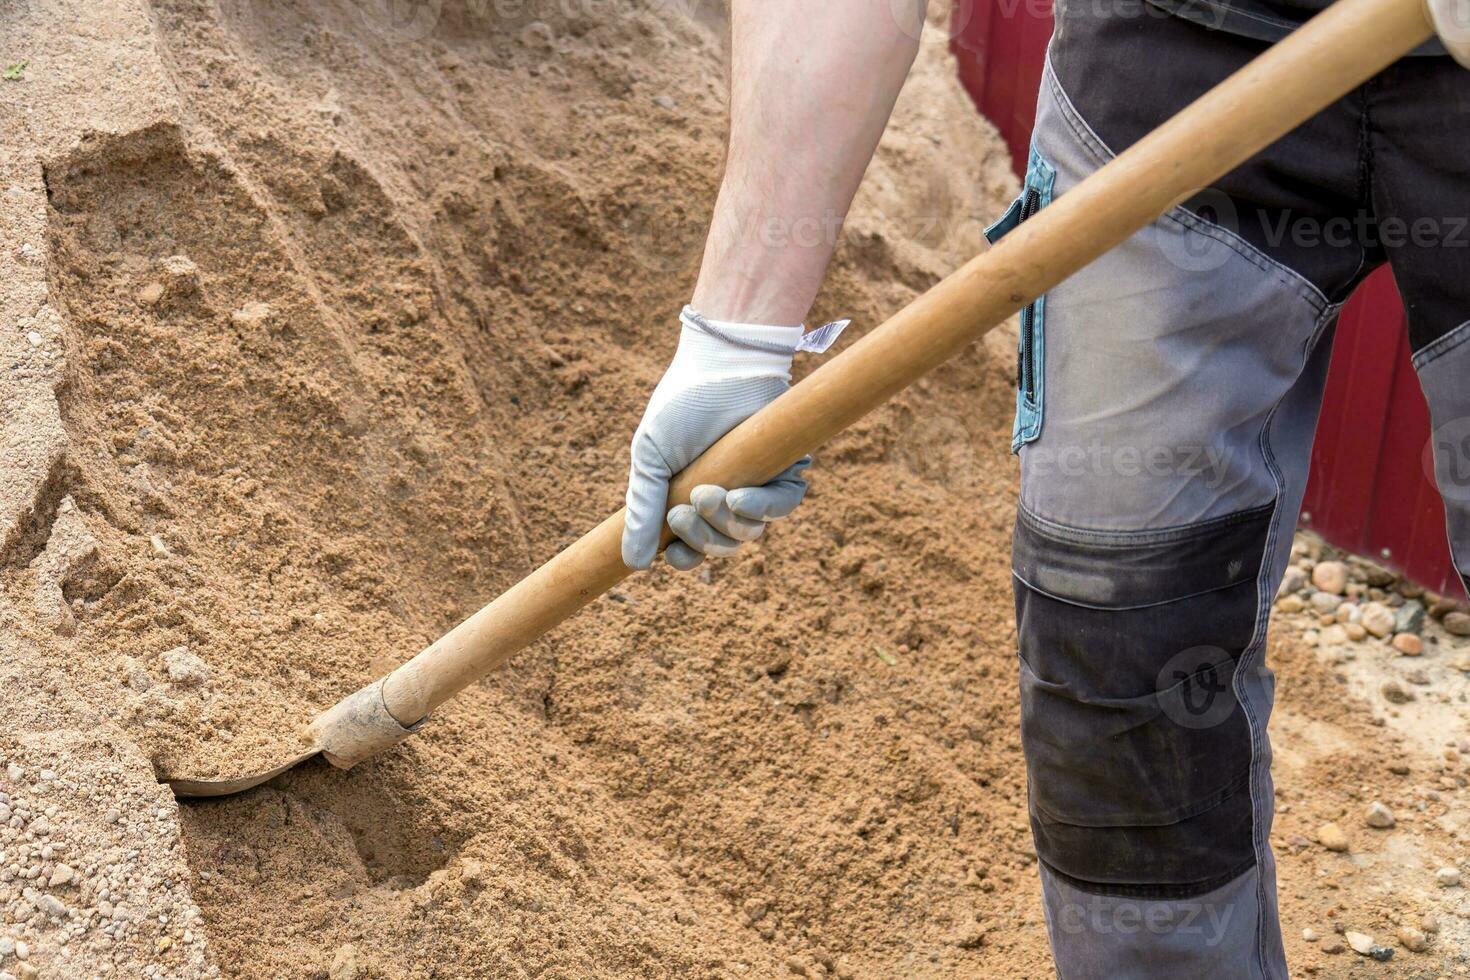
[
  {"x": 1419, "y": 155},
  {"x": 1166, "y": 404}
]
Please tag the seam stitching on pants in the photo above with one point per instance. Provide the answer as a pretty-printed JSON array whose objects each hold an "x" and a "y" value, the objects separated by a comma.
[
  {"x": 1125, "y": 539},
  {"x": 1256, "y": 649},
  {"x": 1222, "y": 796},
  {"x": 1436, "y": 349},
  {"x": 1303, "y": 287},
  {"x": 1176, "y": 893},
  {"x": 1140, "y": 605}
]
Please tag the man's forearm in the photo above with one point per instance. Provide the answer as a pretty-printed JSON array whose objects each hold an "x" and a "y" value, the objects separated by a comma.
[{"x": 812, "y": 86}]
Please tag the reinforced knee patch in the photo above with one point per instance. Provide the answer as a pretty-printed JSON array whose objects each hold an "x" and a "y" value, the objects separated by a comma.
[{"x": 1138, "y": 751}]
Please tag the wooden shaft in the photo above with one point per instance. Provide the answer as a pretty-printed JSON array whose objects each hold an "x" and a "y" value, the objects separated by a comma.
[{"x": 1339, "y": 49}]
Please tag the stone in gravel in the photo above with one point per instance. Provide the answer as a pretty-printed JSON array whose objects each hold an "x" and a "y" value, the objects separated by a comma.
[
  {"x": 1379, "y": 816},
  {"x": 1364, "y": 944},
  {"x": 1294, "y": 580},
  {"x": 344, "y": 964},
  {"x": 1441, "y": 606},
  {"x": 1292, "y": 603},
  {"x": 1377, "y": 619},
  {"x": 1330, "y": 836},
  {"x": 1330, "y": 576},
  {"x": 1429, "y": 923},
  {"x": 1355, "y": 632},
  {"x": 1333, "y": 636},
  {"x": 1457, "y": 624},
  {"x": 1309, "y": 935},
  {"x": 1332, "y": 947},
  {"x": 150, "y": 294},
  {"x": 1395, "y": 693},
  {"x": 63, "y": 875},
  {"x": 1447, "y": 877},
  {"x": 1409, "y": 618},
  {"x": 1325, "y": 602},
  {"x": 1412, "y": 939},
  {"x": 1408, "y": 644},
  {"x": 184, "y": 668},
  {"x": 1418, "y": 676}
]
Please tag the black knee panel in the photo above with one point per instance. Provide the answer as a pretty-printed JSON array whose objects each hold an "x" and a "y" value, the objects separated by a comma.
[{"x": 1137, "y": 750}]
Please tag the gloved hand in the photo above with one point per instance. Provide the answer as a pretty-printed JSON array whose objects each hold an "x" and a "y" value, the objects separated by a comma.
[
  {"x": 1451, "y": 20},
  {"x": 721, "y": 374}
]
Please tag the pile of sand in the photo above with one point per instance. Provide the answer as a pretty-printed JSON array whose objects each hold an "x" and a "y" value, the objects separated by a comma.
[{"x": 330, "y": 322}]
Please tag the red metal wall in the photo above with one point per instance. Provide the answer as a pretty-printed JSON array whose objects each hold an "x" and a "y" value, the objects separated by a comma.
[{"x": 1369, "y": 490}]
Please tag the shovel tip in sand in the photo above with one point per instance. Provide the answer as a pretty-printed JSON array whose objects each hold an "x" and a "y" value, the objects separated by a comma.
[{"x": 185, "y": 788}]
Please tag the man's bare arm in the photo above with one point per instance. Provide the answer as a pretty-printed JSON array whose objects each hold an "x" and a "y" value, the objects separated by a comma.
[{"x": 812, "y": 87}]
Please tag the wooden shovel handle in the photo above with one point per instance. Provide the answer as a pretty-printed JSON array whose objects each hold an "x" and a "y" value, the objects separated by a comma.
[{"x": 1339, "y": 49}]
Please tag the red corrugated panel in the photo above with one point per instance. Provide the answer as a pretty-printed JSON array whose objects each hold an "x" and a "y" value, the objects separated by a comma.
[{"x": 1368, "y": 491}]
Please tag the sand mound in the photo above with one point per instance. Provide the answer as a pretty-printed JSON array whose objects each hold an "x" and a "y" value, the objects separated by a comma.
[
  {"x": 331, "y": 322},
  {"x": 355, "y": 326}
]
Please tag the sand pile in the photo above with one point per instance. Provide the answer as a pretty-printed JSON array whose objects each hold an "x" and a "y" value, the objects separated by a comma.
[{"x": 330, "y": 322}]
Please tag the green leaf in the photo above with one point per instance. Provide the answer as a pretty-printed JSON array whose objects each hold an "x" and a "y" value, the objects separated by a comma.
[
  {"x": 13, "y": 72},
  {"x": 887, "y": 657}
]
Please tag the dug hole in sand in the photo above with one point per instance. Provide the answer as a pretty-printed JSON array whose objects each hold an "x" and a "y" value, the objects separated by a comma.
[{"x": 323, "y": 324}]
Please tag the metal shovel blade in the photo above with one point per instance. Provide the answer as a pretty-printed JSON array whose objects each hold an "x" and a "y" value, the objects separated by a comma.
[{"x": 191, "y": 788}]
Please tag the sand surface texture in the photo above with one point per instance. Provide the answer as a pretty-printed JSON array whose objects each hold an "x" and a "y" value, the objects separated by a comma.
[{"x": 323, "y": 323}]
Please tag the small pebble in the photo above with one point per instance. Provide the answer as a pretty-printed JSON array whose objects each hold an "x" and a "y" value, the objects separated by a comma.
[
  {"x": 1457, "y": 623},
  {"x": 1447, "y": 877},
  {"x": 1412, "y": 939},
  {"x": 1330, "y": 836},
  {"x": 1325, "y": 602},
  {"x": 1330, "y": 576},
  {"x": 1408, "y": 644},
  {"x": 1379, "y": 816},
  {"x": 1395, "y": 693},
  {"x": 1377, "y": 619}
]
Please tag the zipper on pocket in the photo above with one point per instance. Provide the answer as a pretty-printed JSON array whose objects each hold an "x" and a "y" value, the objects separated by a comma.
[{"x": 1025, "y": 357}]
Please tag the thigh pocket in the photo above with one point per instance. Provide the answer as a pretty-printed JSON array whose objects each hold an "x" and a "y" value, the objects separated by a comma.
[{"x": 1031, "y": 355}]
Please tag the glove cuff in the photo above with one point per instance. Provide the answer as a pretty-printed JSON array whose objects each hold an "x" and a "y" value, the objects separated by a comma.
[
  {"x": 766, "y": 338},
  {"x": 1451, "y": 20}
]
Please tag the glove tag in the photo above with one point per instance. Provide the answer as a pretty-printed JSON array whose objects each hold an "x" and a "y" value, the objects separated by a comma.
[{"x": 823, "y": 337}]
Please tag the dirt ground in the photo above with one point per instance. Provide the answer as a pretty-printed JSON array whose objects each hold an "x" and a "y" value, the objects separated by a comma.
[{"x": 322, "y": 324}]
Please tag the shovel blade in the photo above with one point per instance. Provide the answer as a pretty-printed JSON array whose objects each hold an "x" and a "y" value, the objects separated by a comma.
[{"x": 185, "y": 788}]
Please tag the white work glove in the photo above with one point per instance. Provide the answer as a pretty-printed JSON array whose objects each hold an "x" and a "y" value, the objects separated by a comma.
[
  {"x": 722, "y": 373},
  {"x": 1451, "y": 20}
]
